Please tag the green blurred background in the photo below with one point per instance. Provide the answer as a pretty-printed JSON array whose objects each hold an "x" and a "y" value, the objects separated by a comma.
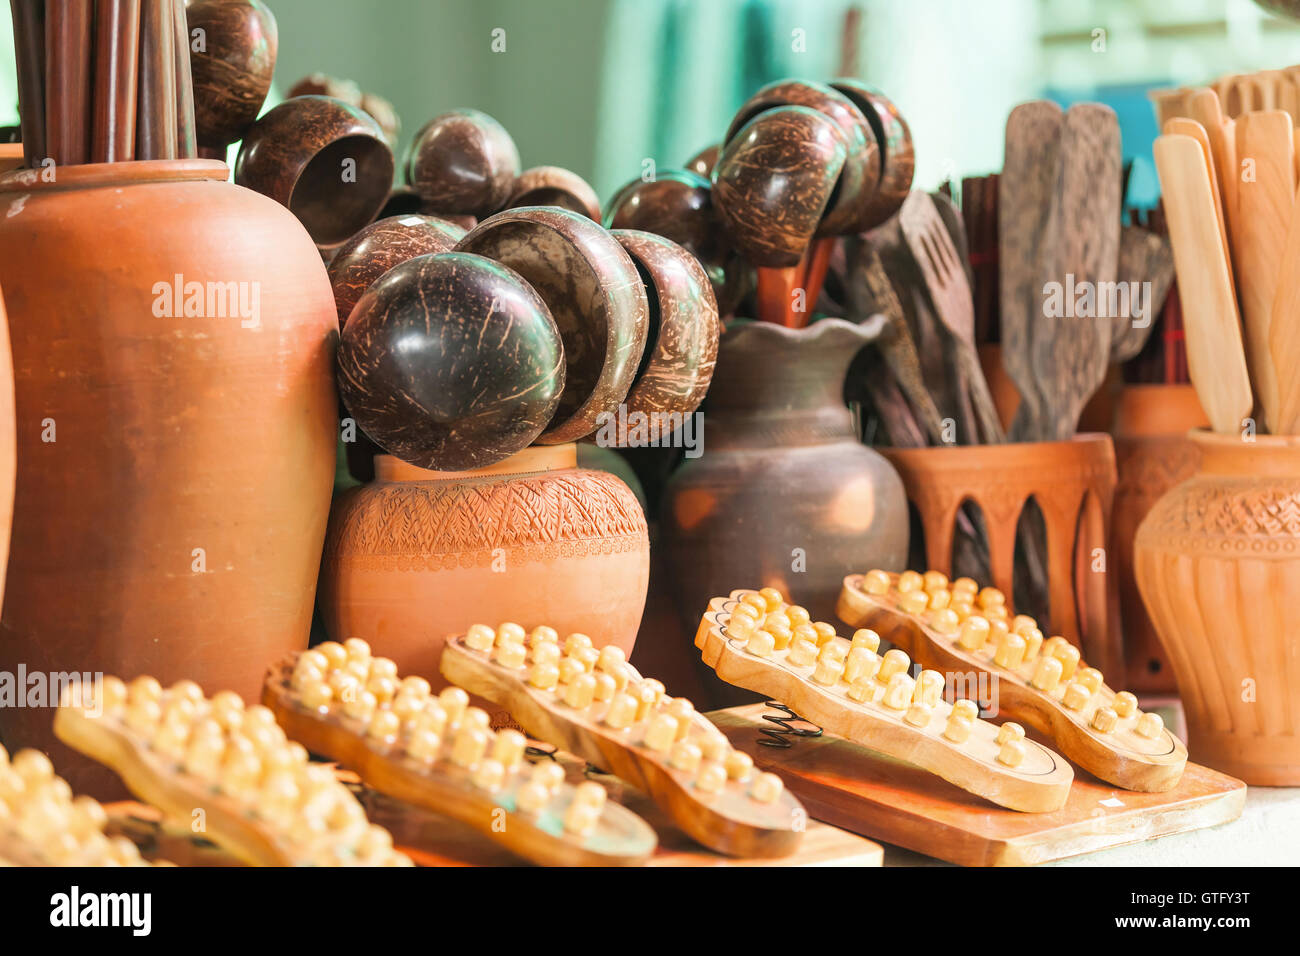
[{"x": 600, "y": 86}]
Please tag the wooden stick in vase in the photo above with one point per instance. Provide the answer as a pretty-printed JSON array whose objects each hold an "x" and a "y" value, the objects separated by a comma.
[
  {"x": 29, "y": 51},
  {"x": 67, "y": 80},
  {"x": 117, "y": 60},
  {"x": 156, "y": 123},
  {"x": 187, "y": 146}
]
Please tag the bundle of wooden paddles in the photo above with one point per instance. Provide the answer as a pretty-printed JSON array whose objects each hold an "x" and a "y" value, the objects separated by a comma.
[
  {"x": 1229, "y": 191},
  {"x": 105, "y": 81}
]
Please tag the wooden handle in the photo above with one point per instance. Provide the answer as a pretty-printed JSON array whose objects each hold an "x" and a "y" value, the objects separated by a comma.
[
  {"x": 117, "y": 56},
  {"x": 67, "y": 80},
  {"x": 1215, "y": 357},
  {"x": 29, "y": 51},
  {"x": 1284, "y": 331},
  {"x": 186, "y": 138},
  {"x": 157, "y": 123}
]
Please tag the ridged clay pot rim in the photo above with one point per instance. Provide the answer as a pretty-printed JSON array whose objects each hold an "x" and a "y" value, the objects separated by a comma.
[
  {"x": 868, "y": 330},
  {"x": 93, "y": 175},
  {"x": 1007, "y": 454}
]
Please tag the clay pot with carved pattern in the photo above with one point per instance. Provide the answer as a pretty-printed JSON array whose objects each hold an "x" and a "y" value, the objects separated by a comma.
[
  {"x": 783, "y": 493},
  {"x": 1218, "y": 564},
  {"x": 417, "y": 555}
]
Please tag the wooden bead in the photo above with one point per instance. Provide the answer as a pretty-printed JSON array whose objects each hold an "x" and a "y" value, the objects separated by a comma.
[
  {"x": 480, "y": 637},
  {"x": 1011, "y": 652},
  {"x": 913, "y": 602},
  {"x": 1104, "y": 720},
  {"x": 876, "y": 582},
  {"x": 865, "y": 637},
  {"x": 761, "y": 644},
  {"x": 958, "y": 728},
  {"x": 1125, "y": 704},
  {"x": 966, "y": 709},
  {"x": 1010, "y": 731},
  {"x": 944, "y": 621},
  {"x": 802, "y": 653},
  {"x": 894, "y": 662},
  {"x": 1047, "y": 674},
  {"x": 898, "y": 693},
  {"x": 1150, "y": 725},
  {"x": 544, "y": 675},
  {"x": 974, "y": 633}
]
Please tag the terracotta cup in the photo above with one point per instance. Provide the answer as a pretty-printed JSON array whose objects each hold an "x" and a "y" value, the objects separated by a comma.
[
  {"x": 326, "y": 160},
  {"x": 417, "y": 556},
  {"x": 176, "y": 451},
  {"x": 1074, "y": 485},
  {"x": 1218, "y": 564},
  {"x": 1152, "y": 454}
]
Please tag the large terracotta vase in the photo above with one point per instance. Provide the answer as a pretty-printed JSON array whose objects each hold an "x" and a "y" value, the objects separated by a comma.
[
  {"x": 1218, "y": 565},
  {"x": 417, "y": 556},
  {"x": 1152, "y": 454},
  {"x": 783, "y": 493},
  {"x": 175, "y": 464}
]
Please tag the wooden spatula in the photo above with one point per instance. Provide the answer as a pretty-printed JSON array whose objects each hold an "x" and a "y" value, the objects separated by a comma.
[
  {"x": 1284, "y": 331},
  {"x": 1206, "y": 109},
  {"x": 1266, "y": 140},
  {"x": 1215, "y": 357},
  {"x": 1033, "y": 140},
  {"x": 1072, "y": 352},
  {"x": 1183, "y": 126}
]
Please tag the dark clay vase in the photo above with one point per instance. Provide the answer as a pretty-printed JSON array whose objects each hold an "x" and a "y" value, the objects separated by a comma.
[{"x": 784, "y": 494}]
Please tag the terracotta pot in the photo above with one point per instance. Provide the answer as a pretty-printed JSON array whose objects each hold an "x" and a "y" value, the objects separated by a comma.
[
  {"x": 417, "y": 556},
  {"x": 1074, "y": 485},
  {"x": 1218, "y": 565},
  {"x": 1152, "y": 454},
  {"x": 175, "y": 473},
  {"x": 784, "y": 494}
]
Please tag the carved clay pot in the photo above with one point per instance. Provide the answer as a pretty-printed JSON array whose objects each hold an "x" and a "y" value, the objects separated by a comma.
[
  {"x": 174, "y": 470},
  {"x": 1152, "y": 454},
  {"x": 784, "y": 494},
  {"x": 417, "y": 556},
  {"x": 1218, "y": 565}
]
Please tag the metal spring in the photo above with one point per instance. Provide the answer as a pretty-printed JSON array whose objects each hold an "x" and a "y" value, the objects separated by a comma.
[{"x": 781, "y": 738}]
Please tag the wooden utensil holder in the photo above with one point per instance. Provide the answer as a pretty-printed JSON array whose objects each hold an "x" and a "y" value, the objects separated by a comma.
[{"x": 1074, "y": 485}]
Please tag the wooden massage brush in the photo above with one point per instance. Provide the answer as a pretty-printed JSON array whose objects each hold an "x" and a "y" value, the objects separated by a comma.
[
  {"x": 43, "y": 824},
  {"x": 755, "y": 640},
  {"x": 437, "y": 752},
  {"x": 594, "y": 704},
  {"x": 259, "y": 798},
  {"x": 959, "y": 628}
]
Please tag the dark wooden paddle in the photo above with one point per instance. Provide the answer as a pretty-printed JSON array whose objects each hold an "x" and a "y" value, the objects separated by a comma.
[
  {"x": 1029, "y": 173},
  {"x": 29, "y": 51},
  {"x": 67, "y": 80},
  {"x": 157, "y": 124},
  {"x": 187, "y": 146},
  {"x": 1071, "y": 352},
  {"x": 117, "y": 56}
]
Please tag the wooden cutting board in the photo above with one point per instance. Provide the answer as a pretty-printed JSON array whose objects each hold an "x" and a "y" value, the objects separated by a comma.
[{"x": 849, "y": 786}]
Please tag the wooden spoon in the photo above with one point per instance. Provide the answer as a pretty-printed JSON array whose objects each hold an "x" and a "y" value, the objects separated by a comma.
[
  {"x": 1146, "y": 257},
  {"x": 1033, "y": 138},
  {"x": 1183, "y": 126},
  {"x": 1263, "y": 205},
  {"x": 1215, "y": 357}
]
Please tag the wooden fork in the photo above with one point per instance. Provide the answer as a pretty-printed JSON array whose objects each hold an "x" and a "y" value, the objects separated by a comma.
[{"x": 945, "y": 277}]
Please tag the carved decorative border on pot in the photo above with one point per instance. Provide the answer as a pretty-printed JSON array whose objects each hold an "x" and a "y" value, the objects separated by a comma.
[
  {"x": 435, "y": 525},
  {"x": 1256, "y": 517}
]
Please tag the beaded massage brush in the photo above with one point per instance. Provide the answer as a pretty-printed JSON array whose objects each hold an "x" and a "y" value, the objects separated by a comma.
[
  {"x": 437, "y": 752},
  {"x": 755, "y": 640},
  {"x": 594, "y": 704},
  {"x": 43, "y": 824},
  {"x": 214, "y": 760},
  {"x": 960, "y": 628}
]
